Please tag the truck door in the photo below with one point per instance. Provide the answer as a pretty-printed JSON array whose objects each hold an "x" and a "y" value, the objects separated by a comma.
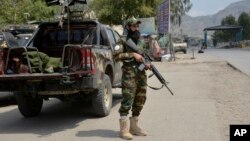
[{"x": 113, "y": 37}]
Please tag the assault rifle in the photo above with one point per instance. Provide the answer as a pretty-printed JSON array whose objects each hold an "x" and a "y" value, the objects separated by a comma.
[{"x": 147, "y": 60}]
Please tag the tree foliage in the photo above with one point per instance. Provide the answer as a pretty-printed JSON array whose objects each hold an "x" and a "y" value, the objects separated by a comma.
[
  {"x": 226, "y": 35},
  {"x": 19, "y": 11},
  {"x": 244, "y": 21},
  {"x": 178, "y": 9},
  {"x": 114, "y": 11},
  {"x": 229, "y": 20},
  {"x": 108, "y": 11},
  {"x": 229, "y": 35}
]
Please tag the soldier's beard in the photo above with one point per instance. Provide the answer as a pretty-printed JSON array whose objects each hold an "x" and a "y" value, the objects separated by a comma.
[{"x": 134, "y": 35}]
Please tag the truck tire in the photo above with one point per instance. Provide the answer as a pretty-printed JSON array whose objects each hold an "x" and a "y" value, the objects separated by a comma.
[
  {"x": 102, "y": 99},
  {"x": 27, "y": 105}
]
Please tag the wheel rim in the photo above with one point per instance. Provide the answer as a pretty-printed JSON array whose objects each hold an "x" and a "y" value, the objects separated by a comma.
[{"x": 106, "y": 97}]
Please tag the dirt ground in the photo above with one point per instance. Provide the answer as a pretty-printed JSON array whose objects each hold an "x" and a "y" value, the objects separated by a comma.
[
  {"x": 228, "y": 87},
  {"x": 231, "y": 92}
]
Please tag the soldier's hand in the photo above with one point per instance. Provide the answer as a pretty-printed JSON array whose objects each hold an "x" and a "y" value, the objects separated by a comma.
[
  {"x": 138, "y": 57},
  {"x": 148, "y": 66}
]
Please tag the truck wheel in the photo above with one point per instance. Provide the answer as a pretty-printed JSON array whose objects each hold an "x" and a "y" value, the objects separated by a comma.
[
  {"x": 27, "y": 105},
  {"x": 102, "y": 99}
]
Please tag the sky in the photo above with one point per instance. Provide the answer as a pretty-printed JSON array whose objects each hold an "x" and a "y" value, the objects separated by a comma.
[{"x": 208, "y": 7}]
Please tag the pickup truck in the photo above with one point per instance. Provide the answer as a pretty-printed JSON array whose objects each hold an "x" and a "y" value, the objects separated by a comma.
[
  {"x": 179, "y": 45},
  {"x": 81, "y": 61}
]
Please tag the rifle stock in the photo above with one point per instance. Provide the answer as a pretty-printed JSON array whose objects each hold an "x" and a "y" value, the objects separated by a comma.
[{"x": 133, "y": 47}]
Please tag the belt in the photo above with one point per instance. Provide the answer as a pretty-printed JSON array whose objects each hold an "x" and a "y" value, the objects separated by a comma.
[
  {"x": 132, "y": 64},
  {"x": 128, "y": 60}
]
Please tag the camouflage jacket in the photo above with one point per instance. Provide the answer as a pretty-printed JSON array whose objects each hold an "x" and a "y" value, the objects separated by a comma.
[{"x": 127, "y": 54}]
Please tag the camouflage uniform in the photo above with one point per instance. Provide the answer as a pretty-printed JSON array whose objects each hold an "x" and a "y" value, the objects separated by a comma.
[{"x": 134, "y": 83}]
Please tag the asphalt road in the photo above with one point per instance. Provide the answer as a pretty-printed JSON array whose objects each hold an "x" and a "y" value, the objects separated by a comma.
[
  {"x": 165, "y": 117},
  {"x": 238, "y": 57},
  {"x": 192, "y": 114}
]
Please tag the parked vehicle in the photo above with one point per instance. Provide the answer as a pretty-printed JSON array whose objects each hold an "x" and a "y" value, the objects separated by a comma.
[
  {"x": 179, "y": 45},
  {"x": 51, "y": 65},
  {"x": 22, "y": 39},
  {"x": 22, "y": 33}
]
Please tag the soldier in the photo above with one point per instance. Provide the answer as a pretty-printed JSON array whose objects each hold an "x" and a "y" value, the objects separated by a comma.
[
  {"x": 155, "y": 51},
  {"x": 4, "y": 44},
  {"x": 134, "y": 84}
]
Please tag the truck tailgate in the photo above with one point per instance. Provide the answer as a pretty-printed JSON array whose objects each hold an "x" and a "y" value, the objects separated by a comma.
[{"x": 40, "y": 76}]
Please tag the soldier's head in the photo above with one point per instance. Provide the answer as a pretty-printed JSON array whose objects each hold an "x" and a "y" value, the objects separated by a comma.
[
  {"x": 133, "y": 29},
  {"x": 133, "y": 24}
]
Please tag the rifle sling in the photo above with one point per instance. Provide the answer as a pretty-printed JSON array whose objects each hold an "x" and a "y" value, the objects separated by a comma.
[{"x": 154, "y": 88}]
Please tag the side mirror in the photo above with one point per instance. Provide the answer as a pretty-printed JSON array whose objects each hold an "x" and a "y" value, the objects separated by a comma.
[{"x": 118, "y": 49}]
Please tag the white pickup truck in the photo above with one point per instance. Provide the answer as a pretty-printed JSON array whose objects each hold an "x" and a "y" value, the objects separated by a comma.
[{"x": 179, "y": 45}]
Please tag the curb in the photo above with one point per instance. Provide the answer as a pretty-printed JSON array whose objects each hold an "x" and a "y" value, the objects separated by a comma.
[{"x": 235, "y": 68}]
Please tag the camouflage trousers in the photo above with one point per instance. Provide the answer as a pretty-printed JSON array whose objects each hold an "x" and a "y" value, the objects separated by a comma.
[{"x": 134, "y": 87}]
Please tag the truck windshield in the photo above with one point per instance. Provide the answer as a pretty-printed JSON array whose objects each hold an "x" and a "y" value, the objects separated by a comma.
[{"x": 59, "y": 37}]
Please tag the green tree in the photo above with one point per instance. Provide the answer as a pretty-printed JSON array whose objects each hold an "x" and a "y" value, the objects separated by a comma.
[
  {"x": 9, "y": 11},
  {"x": 114, "y": 11},
  {"x": 19, "y": 11},
  {"x": 226, "y": 35},
  {"x": 229, "y": 20},
  {"x": 244, "y": 21},
  {"x": 178, "y": 9}
]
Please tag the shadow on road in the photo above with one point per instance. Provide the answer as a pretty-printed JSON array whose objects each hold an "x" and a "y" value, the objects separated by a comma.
[
  {"x": 7, "y": 102},
  {"x": 98, "y": 133},
  {"x": 7, "y": 99},
  {"x": 117, "y": 98},
  {"x": 56, "y": 116}
]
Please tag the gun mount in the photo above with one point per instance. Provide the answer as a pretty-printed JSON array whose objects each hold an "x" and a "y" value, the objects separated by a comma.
[{"x": 68, "y": 2}]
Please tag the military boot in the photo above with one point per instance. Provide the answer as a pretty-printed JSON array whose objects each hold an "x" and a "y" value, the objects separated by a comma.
[
  {"x": 135, "y": 129},
  {"x": 124, "y": 130}
]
